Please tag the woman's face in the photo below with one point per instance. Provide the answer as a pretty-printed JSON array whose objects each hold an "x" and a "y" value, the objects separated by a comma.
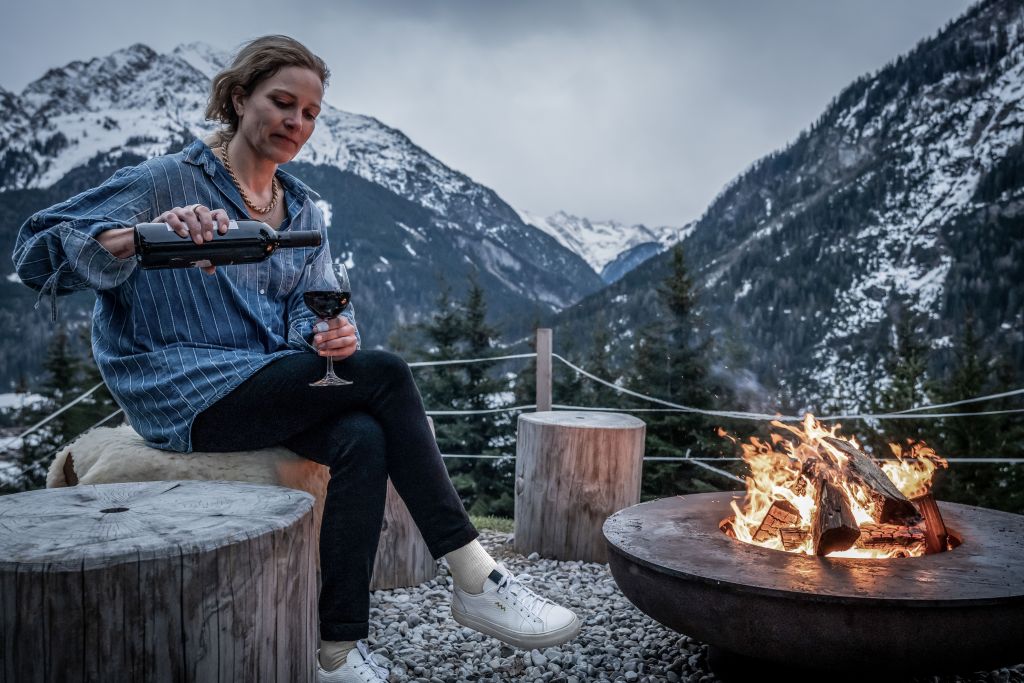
[{"x": 280, "y": 114}]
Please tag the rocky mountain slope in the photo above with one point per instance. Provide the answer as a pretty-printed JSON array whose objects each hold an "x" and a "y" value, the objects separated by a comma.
[
  {"x": 908, "y": 191},
  {"x": 402, "y": 217}
]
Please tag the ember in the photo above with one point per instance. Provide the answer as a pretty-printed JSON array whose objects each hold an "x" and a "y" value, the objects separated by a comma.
[{"x": 816, "y": 492}]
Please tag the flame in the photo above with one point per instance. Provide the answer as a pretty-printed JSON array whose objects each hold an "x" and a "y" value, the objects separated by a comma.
[
  {"x": 788, "y": 466},
  {"x": 912, "y": 472}
]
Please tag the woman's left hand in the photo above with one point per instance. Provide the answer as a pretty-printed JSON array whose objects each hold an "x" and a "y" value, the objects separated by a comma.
[{"x": 335, "y": 338}]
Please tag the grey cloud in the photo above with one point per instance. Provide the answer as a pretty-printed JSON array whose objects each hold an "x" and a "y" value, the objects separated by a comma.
[{"x": 638, "y": 111}]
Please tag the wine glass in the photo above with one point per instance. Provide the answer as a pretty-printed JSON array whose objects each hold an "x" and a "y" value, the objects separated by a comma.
[{"x": 328, "y": 293}]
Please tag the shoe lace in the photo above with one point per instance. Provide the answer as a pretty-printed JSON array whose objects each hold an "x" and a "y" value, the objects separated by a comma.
[
  {"x": 515, "y": 587},
  {"x": 378, "y": 670}
]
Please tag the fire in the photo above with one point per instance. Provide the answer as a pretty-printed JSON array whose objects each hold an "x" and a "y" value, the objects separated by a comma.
[
  {"x": 868, "y": 513},
  {"x": 913, "y": 471}
]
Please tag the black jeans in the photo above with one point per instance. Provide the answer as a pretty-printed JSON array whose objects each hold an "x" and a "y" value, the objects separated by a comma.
[{"x": 364, "y": 432}]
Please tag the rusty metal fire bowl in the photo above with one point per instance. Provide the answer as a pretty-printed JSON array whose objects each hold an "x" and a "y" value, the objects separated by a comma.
[{"x": 961, "y": 610}]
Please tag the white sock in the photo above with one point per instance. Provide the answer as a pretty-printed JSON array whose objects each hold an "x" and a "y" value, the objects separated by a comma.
[
  {"x": 470, "y": 566},
  {"x": 333, "y": 653}
]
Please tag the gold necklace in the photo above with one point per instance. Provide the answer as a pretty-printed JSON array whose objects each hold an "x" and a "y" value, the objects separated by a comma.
[{"x": 275, "y": 185}]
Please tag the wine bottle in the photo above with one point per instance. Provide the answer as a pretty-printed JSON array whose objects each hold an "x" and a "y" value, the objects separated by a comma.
[{"x": 158, "y": 246}]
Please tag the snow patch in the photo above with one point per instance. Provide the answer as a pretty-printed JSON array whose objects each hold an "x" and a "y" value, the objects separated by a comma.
[{"x": 325, "y": 209}]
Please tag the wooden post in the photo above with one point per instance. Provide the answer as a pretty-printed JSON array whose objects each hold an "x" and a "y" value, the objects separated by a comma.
[
  {"x": 573, "y": 470},
  {"x": 160, "y": 581},
  {"x": 543, "y": 370}
]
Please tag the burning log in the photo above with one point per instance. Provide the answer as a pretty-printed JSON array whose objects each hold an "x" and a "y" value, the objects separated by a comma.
[
  {"x": 888, "y": 504},
  {"x": 834, "y": 526},
  {"x": 781, "y": 514},
  {"x": 895, "y": 539},
  {"x": 809, "y": 472},
  {"x": 793, "y": 538},
  {"x": 936, "y": 537}
]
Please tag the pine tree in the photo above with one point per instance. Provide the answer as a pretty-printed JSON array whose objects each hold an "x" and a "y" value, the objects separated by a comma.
[
  {"x": 487, "y": 434},
  {"x": 598, "y": 363},
  {"x": 458, "y": 330},
  {"x": 971, "y": 376},
  {"x": 671, "y": 362},
  {"x": 995, "y": 485},
  {"x": 68, "y": 375},
  {"x": 905, "y": 364}
]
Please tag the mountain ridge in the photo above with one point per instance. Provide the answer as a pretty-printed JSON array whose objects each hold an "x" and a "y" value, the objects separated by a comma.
[
  {"x": 804, "y": 260},
  {"x": 76, "y": 124}
]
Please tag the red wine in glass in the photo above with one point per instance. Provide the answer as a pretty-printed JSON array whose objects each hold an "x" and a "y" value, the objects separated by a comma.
[
  {"x": 326, "y": 304},
  {"x": 327, "y": 297}
]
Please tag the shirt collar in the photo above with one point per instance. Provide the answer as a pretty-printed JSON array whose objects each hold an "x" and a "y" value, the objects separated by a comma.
[{"x": 198, "y": 153}]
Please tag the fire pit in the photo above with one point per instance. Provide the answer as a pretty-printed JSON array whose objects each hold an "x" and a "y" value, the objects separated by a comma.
[{"x": 959, "y": 610}]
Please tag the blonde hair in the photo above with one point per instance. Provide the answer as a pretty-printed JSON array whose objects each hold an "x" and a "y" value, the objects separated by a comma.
[{"x": 255, "y": 62}]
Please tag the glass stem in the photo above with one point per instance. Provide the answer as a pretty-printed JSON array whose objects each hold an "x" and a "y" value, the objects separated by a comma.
[{"x": 330, "y": 367}]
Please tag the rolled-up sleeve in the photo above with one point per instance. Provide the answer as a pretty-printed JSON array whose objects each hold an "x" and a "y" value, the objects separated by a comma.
[{"x": 56, "y": 251}]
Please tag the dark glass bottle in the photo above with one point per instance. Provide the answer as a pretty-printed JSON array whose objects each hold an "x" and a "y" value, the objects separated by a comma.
[{"x": 157, "y": 246}]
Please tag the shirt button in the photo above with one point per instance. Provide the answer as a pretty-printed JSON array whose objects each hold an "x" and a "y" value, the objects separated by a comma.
[{"x": 263, "y": 291}]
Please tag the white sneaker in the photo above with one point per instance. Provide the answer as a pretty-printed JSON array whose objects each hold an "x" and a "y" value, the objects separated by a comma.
[
  {"x": 514, "y": 614},
  {"x": 359, "y": 667}
]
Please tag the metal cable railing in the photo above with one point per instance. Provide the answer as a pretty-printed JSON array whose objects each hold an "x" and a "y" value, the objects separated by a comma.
[{"x": 916, "y": 412}]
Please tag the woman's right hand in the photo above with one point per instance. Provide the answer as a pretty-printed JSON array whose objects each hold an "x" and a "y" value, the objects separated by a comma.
[{"x": 195, "y": 221}]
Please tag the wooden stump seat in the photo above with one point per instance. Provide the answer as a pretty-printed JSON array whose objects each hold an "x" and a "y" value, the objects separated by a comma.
[
  {"x": 573, "y": 470},
  {"x": 119, "y": 454},
  {"x": 187, "y": 581}
]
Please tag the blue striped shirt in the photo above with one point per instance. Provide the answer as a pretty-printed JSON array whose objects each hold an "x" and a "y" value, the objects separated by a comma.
[{"x": 170, "y": 343}]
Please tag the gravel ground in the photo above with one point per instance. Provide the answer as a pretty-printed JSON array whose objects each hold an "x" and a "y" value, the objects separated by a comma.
[{"x": 413, "y": 631}]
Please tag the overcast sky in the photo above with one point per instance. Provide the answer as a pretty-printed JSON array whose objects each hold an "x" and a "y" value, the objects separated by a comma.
[{"x": 639, "y": 111}]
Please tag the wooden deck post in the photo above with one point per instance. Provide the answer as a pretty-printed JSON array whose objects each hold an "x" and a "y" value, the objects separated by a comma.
[
  {"x": 543, "y": 369},
  {"x": 573, "y": 470}
]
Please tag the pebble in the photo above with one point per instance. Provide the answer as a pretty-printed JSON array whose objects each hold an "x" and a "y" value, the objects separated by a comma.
[{"x": 413, "y": 628}]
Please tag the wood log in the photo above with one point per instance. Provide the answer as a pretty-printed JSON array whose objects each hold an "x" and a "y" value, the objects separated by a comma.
[
  {"x": 888, "y": 504},
  {"x": 793, "y": 538},
  {"x": 896, "y": 539},
  {"x": 114, "y": 455},
  {"x": 936, "y": 536},
  {"x": 781, "y": 514},
  {"x": 573, "y": 471},
  {"x": 808, "y": 472},
  {"x": 159, "y": 581},
  {"x": 109, "y": 455},
  {"x": 834, "y": 527}
]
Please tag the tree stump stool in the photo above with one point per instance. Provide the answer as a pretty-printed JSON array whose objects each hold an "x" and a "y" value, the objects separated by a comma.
[
  {"x": 108, "y": 455},
  {"x": 151, "y": 582},
  {"x": 573, "y": 470}
]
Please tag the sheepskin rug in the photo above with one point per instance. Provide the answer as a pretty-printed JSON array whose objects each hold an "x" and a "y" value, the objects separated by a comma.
[{"x": 107, "y": 455}]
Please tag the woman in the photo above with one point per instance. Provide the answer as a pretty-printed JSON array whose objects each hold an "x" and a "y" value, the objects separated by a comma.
[{"x": 222, "y": 361}]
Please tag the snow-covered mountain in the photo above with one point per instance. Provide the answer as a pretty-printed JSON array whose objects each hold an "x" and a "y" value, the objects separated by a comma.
[
  {"x": 404, "y": 219},
  {"x": 138, "y": 101},
  {"x": 906, "y": 193},
  {"x": 603, "y": 244}
]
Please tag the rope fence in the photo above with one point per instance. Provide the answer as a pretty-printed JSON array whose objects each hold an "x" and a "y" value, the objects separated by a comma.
[{"x": 544, "y": 398}]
